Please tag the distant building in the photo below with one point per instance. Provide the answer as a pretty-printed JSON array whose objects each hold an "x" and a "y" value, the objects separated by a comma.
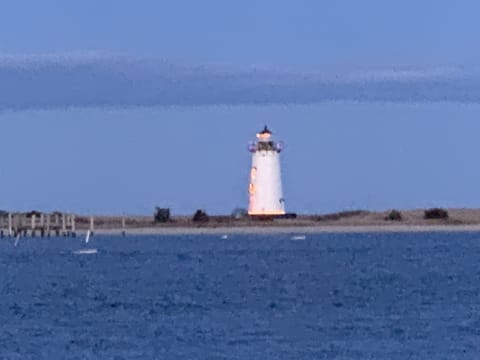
[{"x": 265, "y": 188}]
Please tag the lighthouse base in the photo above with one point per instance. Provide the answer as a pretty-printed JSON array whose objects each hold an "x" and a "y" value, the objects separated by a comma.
[
  {"x": 287, "y": 216},
  {"x": 266, "y": 217}
]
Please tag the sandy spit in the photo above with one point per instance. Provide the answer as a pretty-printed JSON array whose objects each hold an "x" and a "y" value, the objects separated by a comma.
[{"x": 287, "y": 230}]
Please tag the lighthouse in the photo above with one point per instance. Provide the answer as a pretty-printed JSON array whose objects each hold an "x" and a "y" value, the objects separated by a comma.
[{"x": 265, "y": 188}]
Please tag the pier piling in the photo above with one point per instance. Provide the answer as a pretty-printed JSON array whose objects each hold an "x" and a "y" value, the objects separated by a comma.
[
  {"x": 64, "y": 225},
  {"x": 10, "y": 224},
  {"x": 92, "y": 225},
  {"x": 48, "y": 225},
  {"x": 72, "y": 226},
  {"x": 33, "y": 224}
]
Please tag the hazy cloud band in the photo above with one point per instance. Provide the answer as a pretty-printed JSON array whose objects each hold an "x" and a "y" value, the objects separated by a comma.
[{"x": 89, "y": 80}]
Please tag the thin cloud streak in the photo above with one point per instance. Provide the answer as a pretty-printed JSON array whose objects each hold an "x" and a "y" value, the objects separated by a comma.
[{"x": 97, "y": 80}]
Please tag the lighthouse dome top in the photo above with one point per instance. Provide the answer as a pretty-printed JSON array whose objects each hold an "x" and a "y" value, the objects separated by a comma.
[
  {"x": 265, "y": 142},
  {"x": 264, "y": 134}
]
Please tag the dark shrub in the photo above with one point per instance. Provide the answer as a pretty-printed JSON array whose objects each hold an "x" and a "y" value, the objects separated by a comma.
[
  {"x": 341, "y": 215},
  {"x": 200, "y": 216},
  {"x": 436, "y": 213},
  {"x": 394, "y": 215},
  {"x": 33, "y": 212},
  {"x": 239, "y": 213},
  {"x": 161, "y": 215}
]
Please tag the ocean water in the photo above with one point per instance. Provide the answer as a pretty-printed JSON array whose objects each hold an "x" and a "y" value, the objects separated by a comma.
[{"x": 331, "y": 296}]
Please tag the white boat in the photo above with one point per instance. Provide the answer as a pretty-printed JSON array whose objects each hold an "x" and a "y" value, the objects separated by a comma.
[
  {"x": 298, "y": 237},
  {"x": 85, "y": 251}
]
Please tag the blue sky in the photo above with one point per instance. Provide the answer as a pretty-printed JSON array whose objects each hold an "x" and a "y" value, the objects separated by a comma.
[
  {"x": 269, "y": 33},
  {"x": 128, "y": 105}
]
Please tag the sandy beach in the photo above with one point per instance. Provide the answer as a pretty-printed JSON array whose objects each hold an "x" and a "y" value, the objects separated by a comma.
[
  {"x": 356, "y": 221},
  {"x": 342, "y": 222},
  {"x": 298, "y": 230}
]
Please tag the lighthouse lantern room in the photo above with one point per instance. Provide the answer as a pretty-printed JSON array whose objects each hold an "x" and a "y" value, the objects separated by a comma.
[{"x": 265, "y": 189}]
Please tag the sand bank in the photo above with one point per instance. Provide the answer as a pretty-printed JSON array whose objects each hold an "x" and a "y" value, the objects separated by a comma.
[{"x": 287, "y": 230}]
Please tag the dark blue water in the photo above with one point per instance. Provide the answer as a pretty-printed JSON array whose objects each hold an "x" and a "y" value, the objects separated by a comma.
[{"x": 342, "y": 296}]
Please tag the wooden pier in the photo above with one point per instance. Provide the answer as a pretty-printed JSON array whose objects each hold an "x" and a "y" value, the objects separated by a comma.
[{"x": 36, "y": 223}]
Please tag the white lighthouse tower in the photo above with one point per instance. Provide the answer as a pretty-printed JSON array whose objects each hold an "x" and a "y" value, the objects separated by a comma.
[{"x": 265, "y": 189}]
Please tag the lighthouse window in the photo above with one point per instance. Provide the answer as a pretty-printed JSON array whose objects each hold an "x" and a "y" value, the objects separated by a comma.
[{"x": 266, "y": 145}]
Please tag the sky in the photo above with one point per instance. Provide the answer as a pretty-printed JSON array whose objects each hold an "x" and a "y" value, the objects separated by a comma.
[{"x": 118, "y": 107}]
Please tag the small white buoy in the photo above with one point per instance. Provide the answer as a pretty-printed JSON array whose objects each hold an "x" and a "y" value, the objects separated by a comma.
[{"x": 224, "y": 237}]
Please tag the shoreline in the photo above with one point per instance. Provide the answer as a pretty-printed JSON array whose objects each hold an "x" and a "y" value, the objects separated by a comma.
[
  {"x": 283, "y": 230},
  {"x": 357, "y": 221}
]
